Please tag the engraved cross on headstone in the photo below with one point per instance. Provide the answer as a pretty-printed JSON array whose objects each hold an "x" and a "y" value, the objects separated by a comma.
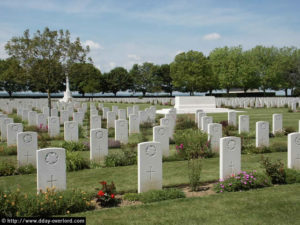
[
  {"x": 150, "y": 172},
  {"x": 298, "y": 156},
  {"x": 231, "y": 165},
  {"x": 27, "y": 155},
  {"x": 51, "y": 181}
]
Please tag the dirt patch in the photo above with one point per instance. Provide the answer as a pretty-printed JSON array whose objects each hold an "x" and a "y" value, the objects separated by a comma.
[{"x": 202, "y": 191}]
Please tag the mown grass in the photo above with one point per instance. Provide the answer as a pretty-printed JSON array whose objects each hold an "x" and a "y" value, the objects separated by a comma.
[{"x": 274, "y": 205}]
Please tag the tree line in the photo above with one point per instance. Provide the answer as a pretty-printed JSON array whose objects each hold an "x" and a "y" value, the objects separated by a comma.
[{"x": 42, "y": 62}]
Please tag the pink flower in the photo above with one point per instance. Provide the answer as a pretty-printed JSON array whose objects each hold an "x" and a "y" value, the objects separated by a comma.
[{"x": 245, "y": 182}]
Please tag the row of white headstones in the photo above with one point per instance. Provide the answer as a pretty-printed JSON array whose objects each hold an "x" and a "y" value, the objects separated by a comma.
[{"x": 150, "y": 153}]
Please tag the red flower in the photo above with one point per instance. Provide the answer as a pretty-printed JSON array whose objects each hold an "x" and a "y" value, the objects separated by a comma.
[
  {"x": 103, "y": 182},
  {"x": 112, "y": 196},
  {"x": 100, "y": 193}
]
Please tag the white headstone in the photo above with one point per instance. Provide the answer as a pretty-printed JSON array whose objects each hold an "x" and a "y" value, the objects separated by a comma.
[
  {"x": 95, "y": 122},
  {"x": 205, "y": 120},
  {"x": 64, "y": 116},
  {"x": 51, "y": 169},
  {"x": 232, "y": 118},
  {"x": 41, "y": 121},
  {"x": 243, "y": 124},
  {"x": 98, "y": 144},
  {"x": 111, "y": 117},
  {"x": 104, "y": 112},
  {"x": 149, "y": 166},
  {"x": 277, "y": 123},
  {"x": 71, "y": 131},
  {"x": 134, "y": 124},
  {"x": 161, "y": 135},
  {"x": 32, "y": 118},
  {"x": 129, "y": 111},
  {"x": 122, "y": 114},
  {"x": 136, "y": 109},
  {"x": 53, "y": 126},
  {"x": 27, "y": 147},
  {"x": 4, "y": 127},
  {"x": 214, "y": 136},
  {"x": 196, "y": 115},
  {"x": 54, "y": 112},
  {"x": 114, "y": 108},
  {"x": 199, "y": 120},
  {"x": 46, "y": 111},
  {"x": 262, "y": 134},
  {"x": 121, "y": 131},
  {"x": 25, "y": 114},
  {"x": 294, "y": 151},
  {"x": 12, "y": 130},
  {"x": 230, "y": 156}
]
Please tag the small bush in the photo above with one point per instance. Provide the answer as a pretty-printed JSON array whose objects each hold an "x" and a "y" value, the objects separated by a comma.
[
  {"x": 292, "y": 176},
  {"x": 74, "y": 146},
  {"x": 127, "y": 156},
  {"x": 7, "y": 168},
  {"x": 243, "y": 181},
  {"x": 106, "y": 195},
  {"x": 288, "y": 130},
  {"x": 184, "y": 122},
  {"x": 43, "y": 140},
  {"x": 32, "y": 128},
  {"x": 194, "y": 172},
  {"x": 28, "y": 169},
  {"x": 278, "y": 147},
  {"x": 45, "y": 204},
  {"x": 11, "y": 150},
  {"x": 75, "y": 161},
  {"x": 155, "y": 195},
  {"x": 80, "y": 131},
  {"x": 275, "y": 170},
  {"x": 111, "y": 132},
  {"x": 228, "y": 130},
  {"x": 193, "y": 144},
  {"x": 146, "y": 125}
]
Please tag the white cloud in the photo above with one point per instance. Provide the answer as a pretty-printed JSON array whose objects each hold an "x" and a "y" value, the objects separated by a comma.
[
  {"x": 212, "y": 36},
  {"x": 92, "y": 44},
  {"x": 134, "y": 57}
]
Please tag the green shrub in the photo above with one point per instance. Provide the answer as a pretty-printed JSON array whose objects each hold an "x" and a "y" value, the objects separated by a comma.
[
  {"x": 155, "y": 195},
  {"x": 278, "y": 147},
  {"x": 125, "y": 157},
  {"x": 7, "y": 168},
  {"x": 75, "y": 161},
  {"x": 43, "y": 140},
  {"x": 45, "y": 204},
  {"x": 243, "y": 181},
  {"x": 288, "y": 130},
  {"x": 146, "y": 125},
  {"x": 17, "y": 119},
  {"x": 11, "y": 150},
  {"x": 74, "y": 146},
  {"x": 31, "y": 128},
  {"x": 275, "y": 170},
  {"x": 80, "y": 131},
  {"x": 192, "y": 144},
  {"x": 194, "y": 172},
  {"x": 184, "y": 122},
  {"x": 171, "y": 158},
  {"x": 292, "y": 176},
  {"x": 111, "y": 132},
  {"x": 28, "y": 169}
]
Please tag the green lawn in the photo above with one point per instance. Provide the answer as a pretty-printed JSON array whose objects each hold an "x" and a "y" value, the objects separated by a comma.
[{"x": 274, "y": 205}]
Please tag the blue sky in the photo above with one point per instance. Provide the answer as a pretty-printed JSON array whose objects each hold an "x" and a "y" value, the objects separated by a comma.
[{"x": 124, "y": 32}]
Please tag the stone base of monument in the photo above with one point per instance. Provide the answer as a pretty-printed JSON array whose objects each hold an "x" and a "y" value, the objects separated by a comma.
[{"x": 189, "y": 104}]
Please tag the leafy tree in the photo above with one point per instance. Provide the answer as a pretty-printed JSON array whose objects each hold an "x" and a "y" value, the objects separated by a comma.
[
  {"x": 249, "y": 78},
  {"x": 225, "y": 64},
  {"x": 190, "y": 72},
  {"x": 265, "y": 66},
  {"x": 165, "y": 79},
  {"x": 11, "y": 76},
  {"x": 84, "y": 77},
  {"x": 144, "y": 78},
  {"x": 288, "y": 64},
  {"x": 46, "y": 58},
  {"x": 118, "y": 79}
]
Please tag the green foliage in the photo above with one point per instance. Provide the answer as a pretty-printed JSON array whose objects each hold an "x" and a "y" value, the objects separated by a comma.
[
  {"x": 7, "y": 168},
  {"x": 106, "y": 195},
  {"x": 191, "y": 71},
  {"x": 11, "y": 150},
  {"x": 74, "y": 146},
  {"x": 275, "y": 170},
  {"x": 125, "y": 157},
  {"x": 194, "y": 172},
  {"x": 44, "y": 204},
  {"x": 80, "y": 131},
  {"x": 243, "y": 181},
  {"x": 288, "y": 130},
  {"x": 292, "y": 176},
  {"x": 28, "y": 169},
  {"x": 192, "y": 144},
  {"x": 111, "y": 132},
  {"x": 184, "y": 122},
  {"x": 155, "y": 195},
  {"x": 74, "y": 161},
  {"x": 43, "y": 140},
  {"x": 118, "y": 79}
]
